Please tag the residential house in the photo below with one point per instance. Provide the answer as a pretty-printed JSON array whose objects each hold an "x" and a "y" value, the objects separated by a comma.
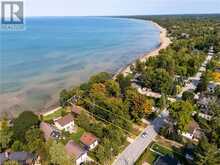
[
  {"x": 193, "y": 131},
  {"x": 166, "y": 160},
  {"x": 65, "y": 123},
  {"x": 76, "y": 110},
  {"x": 23, "y": 158},
  {"x": 75, "y": 151},
  {"x": 211, "y": 87},
  {"x": 89, "y": 140},
  {"x": 49, "y": 131},
  {"x": 204, "y": 109}
]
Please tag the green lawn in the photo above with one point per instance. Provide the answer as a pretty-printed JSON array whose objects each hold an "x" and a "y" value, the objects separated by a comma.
[
  {"x": 76, "y": 136},
  {"x": 54, "y": 115},
  {"x": 166, "y": 151},
  {"x": 148, "y": 156},
  {"x": 158, "y": 148}
]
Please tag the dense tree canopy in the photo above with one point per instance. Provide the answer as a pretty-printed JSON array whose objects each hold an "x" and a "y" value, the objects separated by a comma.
[
  {"x": 22, "y": 123},
  {"x": 181, "y": 112}
]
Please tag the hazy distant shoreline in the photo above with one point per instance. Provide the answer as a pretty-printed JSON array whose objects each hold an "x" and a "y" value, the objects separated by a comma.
[{"x": 164, "y": 43}]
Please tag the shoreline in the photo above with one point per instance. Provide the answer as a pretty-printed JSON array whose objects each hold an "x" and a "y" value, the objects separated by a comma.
[{"x": 164, "y": 43}]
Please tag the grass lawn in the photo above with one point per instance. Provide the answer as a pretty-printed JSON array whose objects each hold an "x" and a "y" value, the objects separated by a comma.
[
  {"x": 148, "y": 156},
  {"x": 76, "y": 136},
  {"x": 167, "y": 151},
  {"x": 161, "y": 149},
  {"x": 56, "y": 114}
]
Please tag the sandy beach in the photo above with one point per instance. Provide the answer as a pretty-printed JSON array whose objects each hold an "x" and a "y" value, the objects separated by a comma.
[{"x": 164, "y": 43}]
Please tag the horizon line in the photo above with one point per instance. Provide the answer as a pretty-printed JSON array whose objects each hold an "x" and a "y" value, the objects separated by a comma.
[{"x": 178, "y": 14}]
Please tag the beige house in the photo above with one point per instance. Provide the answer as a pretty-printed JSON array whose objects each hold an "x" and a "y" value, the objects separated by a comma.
[{"x": 65, "y": 123}]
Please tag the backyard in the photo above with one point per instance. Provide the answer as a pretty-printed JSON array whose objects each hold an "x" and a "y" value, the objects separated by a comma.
[{"x": 159, "y": 148}]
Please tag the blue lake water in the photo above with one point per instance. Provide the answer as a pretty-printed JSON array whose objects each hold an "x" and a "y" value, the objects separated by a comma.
[{"x": 53, "y": 53}]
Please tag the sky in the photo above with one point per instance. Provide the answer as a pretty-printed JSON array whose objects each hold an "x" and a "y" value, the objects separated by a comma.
[{"x": 118, "y": 7}]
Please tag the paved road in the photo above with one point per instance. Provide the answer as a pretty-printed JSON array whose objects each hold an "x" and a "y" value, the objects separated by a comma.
[{"x": 130, "y": 155}]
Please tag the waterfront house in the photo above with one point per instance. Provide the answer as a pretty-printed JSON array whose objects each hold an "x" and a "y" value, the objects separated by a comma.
[
  {"x": 75, "y": 151},
  {"x": 89, "y": 140},
  {"x": 49, "y": 131},
  {"x": 65, "y": 123}
]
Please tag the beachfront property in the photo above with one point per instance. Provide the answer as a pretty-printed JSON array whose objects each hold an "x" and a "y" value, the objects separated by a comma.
[
  {"x": 75, "y": 151},
  {"x": 65, "y": 123},
  {"x": 89, "y": 140},
  {"x": 49, "y": 131}
]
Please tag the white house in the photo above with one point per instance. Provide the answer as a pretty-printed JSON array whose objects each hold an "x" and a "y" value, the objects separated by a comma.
[
  {"x": 193, "y": 131},
  {"x": 89, "y": 140},
  {"x": 65, "y": 123},
  {"x": 74, "y": 150}
]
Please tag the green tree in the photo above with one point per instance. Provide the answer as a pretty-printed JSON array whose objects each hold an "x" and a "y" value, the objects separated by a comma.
[
  {"x": 34, "y": 140},
  {"x": 202, "y": 86},
  {"x": 163, "y": 101},
  {"x": 5, "y": 134},
  {"x": 100, "y": 78},
  {"x": 124, "y": 82},
  {"x": 58, "y": 155},
  {"x": 17, "y": 146},
  {"x": 113, "y": 88},
  {"x": 139, "y": 66},
  {"x": 97, "y": 91},
  {"x": 64, "y": 97},
  {"x": 188, "y": 96},
  {"x": 138, "y": 104},
  {"x": 22, "y": 123},
  {"x": 181, "y": 112},
  {"x": 207, "y": 154}
]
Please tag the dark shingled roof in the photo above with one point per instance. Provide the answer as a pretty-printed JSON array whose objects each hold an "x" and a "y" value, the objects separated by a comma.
[
  {"x": 166, "y": 160},
  {"x": 21, "y": 156}
]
